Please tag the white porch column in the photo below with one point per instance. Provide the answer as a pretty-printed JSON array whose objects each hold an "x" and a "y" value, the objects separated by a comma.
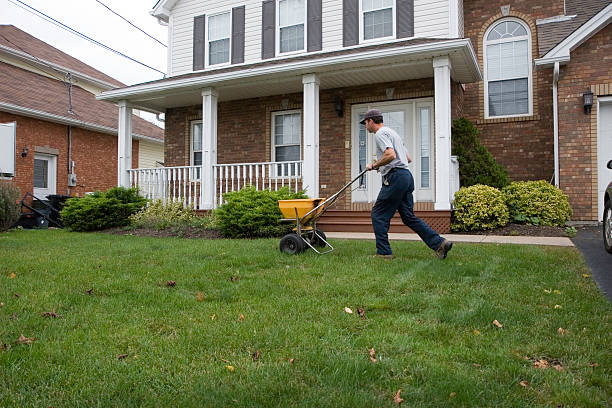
[
  {"x": 124, "y": 144},
  {"x": 209, "y": 148},
  {"x": 310, "y": 168},
  {"x": 442, "y": 102}
]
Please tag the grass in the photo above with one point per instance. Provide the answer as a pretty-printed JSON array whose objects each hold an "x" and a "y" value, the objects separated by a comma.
[{"x": 429, "y": 322}]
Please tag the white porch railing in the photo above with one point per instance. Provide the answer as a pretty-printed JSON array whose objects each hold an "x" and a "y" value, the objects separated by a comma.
[{"x": 183, "y": 183}]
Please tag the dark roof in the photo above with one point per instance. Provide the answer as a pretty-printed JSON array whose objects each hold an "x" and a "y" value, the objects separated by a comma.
[
  {"x": 33, "y": 91},
  {"x": 13, "y": 37},
  {"x": 551, "y": 34}
]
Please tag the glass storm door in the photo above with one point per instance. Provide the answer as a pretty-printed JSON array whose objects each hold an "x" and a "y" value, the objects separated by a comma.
[
  {"x": 605, "y": 151},
  {"x": 45, "y": 170}
]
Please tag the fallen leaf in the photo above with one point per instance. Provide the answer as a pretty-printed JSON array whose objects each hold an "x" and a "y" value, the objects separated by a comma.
[
  {"x": 89, "y": 291},
  {"x": 25, "y": 340},
  {"x": 585, "y": 275},
  {"x": 419, "y": 321},
  {"x": 255, "y": 355},
  {"x": 593, "y": 365},
  {"x": 396, "y": 397},
  {"x": 121, "y": 356},
  {"x": 291, "y": 360},
  {"x": 541, "y": 364},
  {"x": 557, "y": 292},
  {"x": 234, "y": 278},
  {"x": 230, "y": 368},
  {"x": 287, "y": 267},
  {"x": 372, "y": 355},
  {"x": 170, "y": 283},
  {"x": 558, "y": 367},
  {"x": 50, "y": 314},
  {"x": 12, "y": 276},
  {"x": 524, "y": 384},
  {"x": 1, "y": 304},
  {"x": 16, "y": 295},
  {"x": 561, "y": 331},
  {"x": 547, "y": 291},
  {"x": 200, "y": 297},
  {"x": 213, "y": 316},
  {"x": 476, "y": 365},
  {"x": 497, "y": 324},
  {"x": 477, "y": 332},
  {"x": 361, "y": 312},
  {"x": 452, "y": 394},
  {"x": 348, "y": 310},
  {"x": 558, "y": 307},
  {"x": 241, "y": 317}
]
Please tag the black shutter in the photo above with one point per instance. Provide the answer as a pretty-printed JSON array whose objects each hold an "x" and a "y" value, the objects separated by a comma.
[
  {"x": 405, "y": 18},
  {"x": 315, "y": 25},
  {"x": 268, "y": 29},
  {"x": 238, "y": 35},
  {"x": 199, "y": 42},
  {"x": 350, "y": 22}
]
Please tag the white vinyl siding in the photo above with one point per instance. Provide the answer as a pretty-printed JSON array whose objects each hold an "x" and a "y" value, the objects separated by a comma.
[
  {"x": 150, "y": 154},
  {"x": 431, "y": 19}
]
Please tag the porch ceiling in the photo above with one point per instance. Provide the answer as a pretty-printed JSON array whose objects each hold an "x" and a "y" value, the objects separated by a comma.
[{"x": 386, "y": 65}]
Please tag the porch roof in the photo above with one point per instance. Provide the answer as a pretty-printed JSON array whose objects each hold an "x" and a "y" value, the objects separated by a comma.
[{"x": 393, "y": 61}]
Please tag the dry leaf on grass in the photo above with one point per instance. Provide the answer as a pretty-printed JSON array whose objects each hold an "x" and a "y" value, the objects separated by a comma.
[
  {"x": 291, "y": 360},
  {"x": 562, "y": 331},
  {"x": 396, "y": 397},
  {"x": 497, "y": 324},
  {"x": 1, "y": 304},
  {"x": 585, "y": 275},
  {"x": 540, "y": 364},
  {"x": 50, "y": 314},
  {"x": 241, "y": 317},
  {"x": 255, "y": 355},
  {"x": 452, "y": 394},
  {"x": 524, "y": 384},
  {"x": 419, "y": 321},
  {"x": 476, "y": 332},
  {"x": 121, "y": 356},
  {"x": 361, "y": 312},
  {"x": 593, "y": 365},
  {"x": 16, "y": 295},
  {"x": 476, "y": 365},
  {"x": 230, "y": 368},
  {"x": 348, "y": 310},
  {"x": 200, "y": 297},
  {"x": 12, "y": 276},
  {"x": 170, "y": 283},
  {"x": 213, "y": 316},
  {"x": 558, "y": 367},
  {"x": 25, "y": 340},
  {"x": 372, "y": 355},
  {"x": 89, "y": 291},
  {"x": 233, "y": 278},
  {"x": 557, "y": 292},
  {"x": 547, "y": 291}
]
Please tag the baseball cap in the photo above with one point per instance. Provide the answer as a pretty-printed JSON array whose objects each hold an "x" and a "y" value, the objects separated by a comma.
[{"x": 371, "y": 114}]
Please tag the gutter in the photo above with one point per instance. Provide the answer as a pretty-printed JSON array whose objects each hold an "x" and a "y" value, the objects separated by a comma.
[
  {"x": 556, "y": 120},
  {"x": 37, "y": 114},
  {"x": 307, "y": 66}
]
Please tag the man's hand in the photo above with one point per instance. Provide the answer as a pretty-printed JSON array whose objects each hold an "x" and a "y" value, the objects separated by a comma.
[{"x": 370, "y": 166}]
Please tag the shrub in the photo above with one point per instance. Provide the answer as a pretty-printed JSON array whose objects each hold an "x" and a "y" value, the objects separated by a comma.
[
  {"x": 160, "y": 215},
  {"x": 476, "y": 164},
  {"x": 10, "y": 209},
  {"x": 100, "y": 210},
  {"x": 250, "y": 213},
  {"x": 479, "y": 207},
  {"x": 537, "y": 202}
]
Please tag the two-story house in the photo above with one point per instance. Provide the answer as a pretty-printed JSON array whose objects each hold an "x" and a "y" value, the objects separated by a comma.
[{"x": 271, "y": 92}]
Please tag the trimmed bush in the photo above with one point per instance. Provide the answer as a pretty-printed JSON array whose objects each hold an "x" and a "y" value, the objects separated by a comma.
[
  {"x": 476, "y": 164},
  {"x": 100, "y": 211},
  {"x": 250, "y": 213},
  {"x": 10, "y": 209},
  {"x": 479, "y": 207},
  {"x": 159, "y": 216},
  {"x": 537, "y": 202}
]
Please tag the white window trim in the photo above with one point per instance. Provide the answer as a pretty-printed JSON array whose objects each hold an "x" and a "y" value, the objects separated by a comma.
[
  {"x": 273, "y": 136},
  {"x": 207, "y": 47},
  {"x": 191, "y": 151},
  {"x": 379, "y": 39},
  {"x": 277, "y": 31},
  {"x": 529, "y": 64},
  {"x": 424, "y": 193}
]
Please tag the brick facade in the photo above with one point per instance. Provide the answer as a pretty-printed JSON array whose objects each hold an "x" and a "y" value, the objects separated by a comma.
[
  {"x": 590, "y": 67},
  {"x": 94, "y": 154}
]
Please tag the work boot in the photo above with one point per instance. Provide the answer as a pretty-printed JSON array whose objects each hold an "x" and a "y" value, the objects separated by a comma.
[{"x": 442, "y": 251}]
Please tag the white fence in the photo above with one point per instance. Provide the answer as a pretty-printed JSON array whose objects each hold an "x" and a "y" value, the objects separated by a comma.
[{"x": 184, "y": 184}]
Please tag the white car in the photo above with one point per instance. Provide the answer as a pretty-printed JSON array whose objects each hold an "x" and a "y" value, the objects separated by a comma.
[{"x": 607, "y": 215}]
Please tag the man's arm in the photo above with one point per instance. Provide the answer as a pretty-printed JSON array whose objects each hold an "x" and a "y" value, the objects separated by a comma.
[
  {"x": 408, "y": 157},
  {"x": 387, "y": 158}
]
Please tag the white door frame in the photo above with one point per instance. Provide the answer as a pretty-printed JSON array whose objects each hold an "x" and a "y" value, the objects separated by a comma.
[
  {"x": 51, "y": 160},
  {"x": 412, "y": 123},
  {"x": 603, "y": 174}
]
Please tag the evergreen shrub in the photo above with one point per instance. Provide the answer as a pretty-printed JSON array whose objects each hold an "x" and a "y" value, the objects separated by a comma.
[
  {"x": 479, "y": 207},
  {"x": 10, "y": 209},
  {"x": 537, "y": 202},
  {"x": 159, "y": 215}
]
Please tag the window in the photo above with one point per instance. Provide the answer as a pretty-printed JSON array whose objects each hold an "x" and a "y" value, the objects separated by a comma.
[
  {"x": 196, "y": 147},
  {"x": 7, "y": 152},
  {"x": 377, "y": 19},
  {"x": 286, "y": 137},
  {"x": 507, "y": 69},
  {"x": 425, "y": 146},
  {"x": 219, "y": 34},
  {"x": 291, "y": 25}
]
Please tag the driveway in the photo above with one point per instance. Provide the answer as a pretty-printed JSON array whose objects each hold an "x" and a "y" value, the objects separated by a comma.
[{"x": 589, "y": 241}]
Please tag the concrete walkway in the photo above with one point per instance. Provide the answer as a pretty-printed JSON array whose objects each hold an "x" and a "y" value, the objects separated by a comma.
[{"x": 486, "y": 239}]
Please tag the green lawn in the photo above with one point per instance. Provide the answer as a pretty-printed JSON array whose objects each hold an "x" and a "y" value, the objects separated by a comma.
[{"x": 428, "y": 321}]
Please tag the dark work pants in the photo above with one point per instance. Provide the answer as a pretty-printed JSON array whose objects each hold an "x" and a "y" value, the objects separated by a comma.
[{"x": 397, "y": 196}]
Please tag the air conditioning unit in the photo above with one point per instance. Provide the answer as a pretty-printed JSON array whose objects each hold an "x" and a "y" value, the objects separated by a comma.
[{"x": 72, "y": 180}]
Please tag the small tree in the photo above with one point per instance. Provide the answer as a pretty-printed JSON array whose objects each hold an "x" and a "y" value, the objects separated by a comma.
[{"x": 476, "y": 164}]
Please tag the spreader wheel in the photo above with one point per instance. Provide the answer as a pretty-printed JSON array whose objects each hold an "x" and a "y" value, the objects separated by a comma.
[
  {"x": 317, "y": 238},
  {"x": 292, "y": 244}
]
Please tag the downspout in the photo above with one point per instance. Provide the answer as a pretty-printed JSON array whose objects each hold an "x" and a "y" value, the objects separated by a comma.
[
  {"x": 69, "y": 157},
  {"x": 556, "y": 120}
]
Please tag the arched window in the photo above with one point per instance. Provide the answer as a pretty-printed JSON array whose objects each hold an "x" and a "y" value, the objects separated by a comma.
[{"x": 507, "y": 58}]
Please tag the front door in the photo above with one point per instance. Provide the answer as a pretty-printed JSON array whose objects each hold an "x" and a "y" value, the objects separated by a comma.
[
  {"x": 604, "y": 149},
  {"x": 45, "y": 170},
  {"x": 412, "y": 120}
]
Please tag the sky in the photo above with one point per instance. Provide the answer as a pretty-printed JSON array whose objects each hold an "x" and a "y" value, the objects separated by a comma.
[{"x": 95, "y": 21}]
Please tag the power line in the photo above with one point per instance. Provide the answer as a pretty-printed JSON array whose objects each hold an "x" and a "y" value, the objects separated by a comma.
[
  {"x": 130, "y": 23},
  {"x": 79, "y": 34}
]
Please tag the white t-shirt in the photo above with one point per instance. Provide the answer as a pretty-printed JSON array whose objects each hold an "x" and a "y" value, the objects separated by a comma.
[{"x": 385, "y": 138}]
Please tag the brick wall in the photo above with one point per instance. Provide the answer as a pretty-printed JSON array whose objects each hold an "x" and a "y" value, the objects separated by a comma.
[
  {"x": 590, "y": 67},
  {"x": 94, "y": 154},
  {"x": 524, "y": 146}
]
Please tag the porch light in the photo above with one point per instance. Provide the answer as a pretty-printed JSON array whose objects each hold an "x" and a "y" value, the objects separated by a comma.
[
  {"x": 25, "y": 151},
  {"x": 588, "y": 101},
  {"x": 339, "y": 107}
]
